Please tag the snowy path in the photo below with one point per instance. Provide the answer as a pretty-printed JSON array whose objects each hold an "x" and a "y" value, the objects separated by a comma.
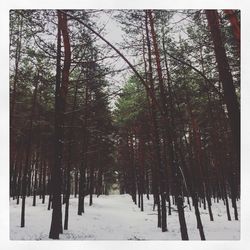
[{"x": 115, "y": 217}]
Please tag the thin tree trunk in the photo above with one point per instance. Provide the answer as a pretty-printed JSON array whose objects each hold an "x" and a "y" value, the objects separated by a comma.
[
  {"x": 68, "y": 186},
  {"x": 156, "y": 145},
  {"x": 91, "y": 184},
  {"x": 76, "y": 182},
  {"x": 35, "y": 184},
  {"x": 44, "y": 182},
  {"x": 28, "y": 153}
]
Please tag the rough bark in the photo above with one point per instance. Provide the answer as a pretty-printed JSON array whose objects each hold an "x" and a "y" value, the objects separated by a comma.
[
  {"x": 60, "y": 103},
  {"x": 230, "y": 96}
]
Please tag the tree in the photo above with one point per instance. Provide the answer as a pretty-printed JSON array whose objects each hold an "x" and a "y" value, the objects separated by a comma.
[
  {"x": 230, "y": 96},
  {"x": 60, "y": 103},
  {"x": 170, "y": 134}
]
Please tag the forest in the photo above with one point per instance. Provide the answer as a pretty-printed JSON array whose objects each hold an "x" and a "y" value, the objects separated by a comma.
[{"x": 129, "y": 110}]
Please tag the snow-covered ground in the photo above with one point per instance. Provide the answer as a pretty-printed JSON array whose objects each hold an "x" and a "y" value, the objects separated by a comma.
[{"x": 116, "y": 217}]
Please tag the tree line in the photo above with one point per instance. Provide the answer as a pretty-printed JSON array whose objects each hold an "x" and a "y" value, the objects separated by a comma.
[
  {"x": 175, "y": 129},
  {"x": 61, "y": 123},
  {"x": 179, "y": 136}
]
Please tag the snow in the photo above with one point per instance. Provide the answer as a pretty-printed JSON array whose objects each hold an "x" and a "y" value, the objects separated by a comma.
[{"x": 116, "y": 217}]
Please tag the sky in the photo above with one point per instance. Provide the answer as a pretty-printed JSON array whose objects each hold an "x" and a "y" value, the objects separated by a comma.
[{"x": 113, "y": 32}]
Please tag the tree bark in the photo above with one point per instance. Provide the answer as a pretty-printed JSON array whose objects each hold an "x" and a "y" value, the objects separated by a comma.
[
  {"x": 155, "y": 137},
  {"x": 68, "y": 170},
  {"x": 60, "y": 103},
  {"x": 28, "y": 154},
  {"x": 230, "y": 96}
]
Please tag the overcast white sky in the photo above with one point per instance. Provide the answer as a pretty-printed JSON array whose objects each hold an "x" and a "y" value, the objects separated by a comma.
[{"x": 114, "y": 34}]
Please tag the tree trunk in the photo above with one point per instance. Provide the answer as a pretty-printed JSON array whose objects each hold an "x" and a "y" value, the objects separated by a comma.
[
  {"x": 28, "y": 154},
  {"x": 76, "y": 182},
  {"x": 44, "y": 182},
  {"x": 35, "y": 184},
  {"x": 157, "y": 177},
  {"x": 198, "y": 217},
  {"x": 71, "y": 133},
  {"x": 60, "y": 103},
  {"x": 230, "y": 96}
]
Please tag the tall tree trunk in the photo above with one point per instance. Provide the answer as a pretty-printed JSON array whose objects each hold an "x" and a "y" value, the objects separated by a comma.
[
  {"x": 84, "y": 161},
  {"x": 155, "y": 137},
  {"x": 169, "y": 134},
  {"x": 56, "y": 174},
  {"x": 17, "y": 60},
  {"x": 13, "y": 96},
  {"x": 60, "y": 103},
  {"x": 71, "y": 133},
  {"x": 28, "y": 154},
  {"x": 230, "y": 96}
]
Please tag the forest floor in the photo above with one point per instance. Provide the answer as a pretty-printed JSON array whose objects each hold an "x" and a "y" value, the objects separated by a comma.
[{"x": 116, "y": 217}]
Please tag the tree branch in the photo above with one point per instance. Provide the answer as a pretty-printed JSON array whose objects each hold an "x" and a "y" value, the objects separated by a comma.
[{"x": 122, "y": 56}]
